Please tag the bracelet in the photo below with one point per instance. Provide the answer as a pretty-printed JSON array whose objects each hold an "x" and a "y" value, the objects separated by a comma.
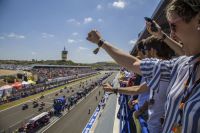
[
  {"x": 101, "y": 42},
  {"x": 115, "y": 90},
  {"x": 163, "y": 36}
]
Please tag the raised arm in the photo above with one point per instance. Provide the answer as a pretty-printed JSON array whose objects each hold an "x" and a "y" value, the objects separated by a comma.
[
  {"x": 123, "y": 59},
  {"x": 132, "y": 90},
  {"x": 177, "y": 47}
]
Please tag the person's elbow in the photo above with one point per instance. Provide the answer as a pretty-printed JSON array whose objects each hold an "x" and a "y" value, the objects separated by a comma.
[{"x": 136, "y": 67}]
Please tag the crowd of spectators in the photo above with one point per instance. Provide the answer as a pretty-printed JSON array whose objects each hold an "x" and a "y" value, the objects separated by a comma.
[{"x": 45, "y": 73}]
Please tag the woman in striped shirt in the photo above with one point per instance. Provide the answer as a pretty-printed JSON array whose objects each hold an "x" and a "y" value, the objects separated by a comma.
[{"x": 182, "y": 105}]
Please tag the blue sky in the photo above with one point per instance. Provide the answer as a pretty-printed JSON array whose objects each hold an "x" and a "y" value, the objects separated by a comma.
[{"x": 39, "y": 29}]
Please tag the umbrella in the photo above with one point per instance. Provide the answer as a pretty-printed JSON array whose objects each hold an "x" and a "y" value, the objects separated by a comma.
[
  {"x": 17, "y": 85},
  {"x": 25, "y": 83},
  {"x": 31, "y": 82}
]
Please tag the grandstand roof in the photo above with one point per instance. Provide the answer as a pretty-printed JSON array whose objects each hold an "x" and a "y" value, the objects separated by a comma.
[{"x": 159, "y": 17}]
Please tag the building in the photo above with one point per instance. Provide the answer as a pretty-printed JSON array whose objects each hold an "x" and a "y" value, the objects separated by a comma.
[{"x": 64, "y": 55}]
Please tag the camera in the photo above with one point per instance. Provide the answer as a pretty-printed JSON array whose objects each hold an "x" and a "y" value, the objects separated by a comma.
[{"x": 153, "y": 25}]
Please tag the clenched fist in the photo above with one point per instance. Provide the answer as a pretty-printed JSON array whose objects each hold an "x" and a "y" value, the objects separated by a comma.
[{"x": 94, "y": 36}]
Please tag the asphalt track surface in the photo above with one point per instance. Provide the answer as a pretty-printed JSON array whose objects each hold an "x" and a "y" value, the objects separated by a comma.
[
  {"x": 13, "y": 118},
  {"x": 76, "y": 119}
]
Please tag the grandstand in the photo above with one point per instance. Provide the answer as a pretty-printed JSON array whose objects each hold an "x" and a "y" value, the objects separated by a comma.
[
  {"x": 45, "y": 77},
  {"x": 46, "y": 72}
]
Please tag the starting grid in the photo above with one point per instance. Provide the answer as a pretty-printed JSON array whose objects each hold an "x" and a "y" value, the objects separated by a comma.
[{"x": 93, "y": 118}]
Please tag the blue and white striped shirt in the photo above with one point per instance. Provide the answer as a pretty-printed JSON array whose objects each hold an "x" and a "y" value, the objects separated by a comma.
[
  {"x": 176, "y": 72},
  {"x": 157, "y": 83}
]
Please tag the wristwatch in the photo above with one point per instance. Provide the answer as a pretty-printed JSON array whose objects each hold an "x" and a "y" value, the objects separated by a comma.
[
  {"x": 101, "y": 42},
  {"x": 115, "y": 90}
]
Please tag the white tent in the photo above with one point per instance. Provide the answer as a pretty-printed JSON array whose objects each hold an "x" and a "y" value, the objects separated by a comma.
[
  {"x": 5, "y": 87},
  {"x": 25, "y": 83},
  {"x": 6, "y": 90}
]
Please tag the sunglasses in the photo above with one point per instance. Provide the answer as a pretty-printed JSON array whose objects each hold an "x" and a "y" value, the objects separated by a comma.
[
  {"x": 172, "y": 24},
  {"x": 172, "y": 27},
  {"x": 142, "y": 48}
]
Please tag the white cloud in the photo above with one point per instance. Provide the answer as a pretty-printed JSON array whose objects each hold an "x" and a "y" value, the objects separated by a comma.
[
  {"x": 21, "y": 37},
  {"x": 71, "y": 41},
  {"x": 100, "y": 20},
  {"x": 99, "y": 7},
  {"x": 83, "y": 48},
  {"x": 73, "y": 21},
  {"x": 87, "y": 20},
  {"x": 2, "y": 37},
  {"x": 79, "y": 40},
  {"x": 132, "y": 42},
  {"x": 15, "y": 36},
  {"x": 75, "y": 34},
  {"x": 11, "y": 35},
  {"x": 119, "y": 4},
  {"x": 33, "y": 53},
  {"x": 46, "y": 35}
]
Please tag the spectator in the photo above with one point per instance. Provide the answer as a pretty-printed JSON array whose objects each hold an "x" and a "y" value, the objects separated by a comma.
[
  {"x": 96, "y": 98},
  {"x": 89, "y": 110},
  {"x": 157, "y": 97}
]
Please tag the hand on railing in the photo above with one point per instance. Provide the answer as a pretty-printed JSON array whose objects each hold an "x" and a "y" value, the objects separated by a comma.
[{"x": 107, "y": 87}]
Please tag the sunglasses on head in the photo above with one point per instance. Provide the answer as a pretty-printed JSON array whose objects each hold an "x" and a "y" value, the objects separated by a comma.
[{"x": 140, "y": 47}]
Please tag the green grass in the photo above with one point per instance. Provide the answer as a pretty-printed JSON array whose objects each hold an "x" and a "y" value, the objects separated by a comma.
[{"x": 22, "y": 100}]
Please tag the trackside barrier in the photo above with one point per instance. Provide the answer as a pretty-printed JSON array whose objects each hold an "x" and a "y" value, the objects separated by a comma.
[
  {"x": 90, "y": 124},
  {"x": 91, "y": 121},
  {"x": 124, "y": 115}
]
